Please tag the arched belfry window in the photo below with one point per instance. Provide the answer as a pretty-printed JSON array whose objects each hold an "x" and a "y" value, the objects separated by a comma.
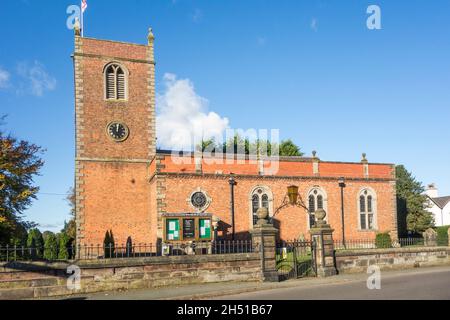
[
  {"x": 261, "y": 197},
  {"x": 367, "y": 209},
  {"x": 317, "y": 199},
  {"x": 116, "y": 82}
]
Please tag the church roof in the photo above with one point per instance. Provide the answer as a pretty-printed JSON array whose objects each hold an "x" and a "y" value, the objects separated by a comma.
[{"x": 441, "y": 202}]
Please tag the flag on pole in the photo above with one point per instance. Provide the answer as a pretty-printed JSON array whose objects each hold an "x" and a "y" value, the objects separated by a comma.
[{"x": 84, "y": 5}]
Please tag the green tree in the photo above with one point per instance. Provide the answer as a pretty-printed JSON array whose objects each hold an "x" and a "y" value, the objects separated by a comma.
[
  {"x": 70, "y": 227},
  {"x": 289, "y": 149},
  {"x": 64, "y": 244},
  {"x": 108, "y": 244},
  {"x": 411, "y": 203},
  {"x": 35, "y": 242},
  {"x": 20, "y": 162},
  {"x": 51, "y": 247}
]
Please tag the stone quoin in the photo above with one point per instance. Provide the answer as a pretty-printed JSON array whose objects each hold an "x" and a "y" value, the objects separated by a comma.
[{"x": 125, "y": 185}]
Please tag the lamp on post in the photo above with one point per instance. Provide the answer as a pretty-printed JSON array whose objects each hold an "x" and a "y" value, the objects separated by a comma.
[
  {"x": 342, "y": 186},
  {"x": 232, "y": 183}
]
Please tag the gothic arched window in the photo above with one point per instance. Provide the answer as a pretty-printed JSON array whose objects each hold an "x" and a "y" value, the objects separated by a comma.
[
  {"x": 261, "y": 197},
  {"x": 367, "y": 210},
  {"x": 116, "y": 87},
  {"x": 316, "y": 200}
]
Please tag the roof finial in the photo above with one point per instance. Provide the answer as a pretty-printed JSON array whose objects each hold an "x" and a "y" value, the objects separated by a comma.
[
  {"x": 77, "y": 27},
  {"x": 364, "y": 157},
  {"x": 150, "y": 36},
  {"x": 314, "y": 153}
]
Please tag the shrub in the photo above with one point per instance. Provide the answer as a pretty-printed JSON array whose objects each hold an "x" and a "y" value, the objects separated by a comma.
[
  {"x": 383, "y": 240},
  {"x": 442, "y": 236},
  {"x": 108, "y": 244},
  {"x": 51, "y": 247},
  {"x": 35, "y": 243},
  {"x": 64, "y": 240}
]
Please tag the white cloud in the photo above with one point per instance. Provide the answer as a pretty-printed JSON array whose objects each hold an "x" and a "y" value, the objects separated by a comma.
[
  {"x": 313, "y": 25},
  {"x": 4, "y": 78},
  {"x": 38, "y": 80},
  {"x": 183, "y": 116}
]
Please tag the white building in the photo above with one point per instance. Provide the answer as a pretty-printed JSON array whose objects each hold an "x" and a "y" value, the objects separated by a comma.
[{"x": 439, "y": 206}]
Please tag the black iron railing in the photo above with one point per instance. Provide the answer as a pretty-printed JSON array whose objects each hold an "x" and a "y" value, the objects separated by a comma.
[
  {"x": 355, "y": 244},
  {"x": 115, "y": 251}
]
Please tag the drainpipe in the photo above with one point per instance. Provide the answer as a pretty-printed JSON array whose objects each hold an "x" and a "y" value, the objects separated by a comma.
[{"x": 232, "y": 184}]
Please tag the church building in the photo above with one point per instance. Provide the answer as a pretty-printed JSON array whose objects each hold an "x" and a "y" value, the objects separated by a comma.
[{"x": 124, "y": 184}]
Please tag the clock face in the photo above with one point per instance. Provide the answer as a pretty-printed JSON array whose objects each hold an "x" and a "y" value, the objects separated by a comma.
[{"x": 118, "y": 131}]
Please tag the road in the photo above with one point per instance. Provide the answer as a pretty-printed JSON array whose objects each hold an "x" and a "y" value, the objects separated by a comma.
[{"x": 423, "y": 284}]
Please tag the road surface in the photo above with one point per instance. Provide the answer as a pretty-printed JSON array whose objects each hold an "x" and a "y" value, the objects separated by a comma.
[{"x": 423, "y": 284}]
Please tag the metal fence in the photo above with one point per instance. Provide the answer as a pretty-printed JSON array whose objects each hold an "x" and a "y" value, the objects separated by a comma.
[
  {"x": 355, "y": 244},
  {"x": 116, "y": 251}
]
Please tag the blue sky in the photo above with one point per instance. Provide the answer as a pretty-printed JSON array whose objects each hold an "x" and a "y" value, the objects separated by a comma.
[{"x": 310, "y": 68}]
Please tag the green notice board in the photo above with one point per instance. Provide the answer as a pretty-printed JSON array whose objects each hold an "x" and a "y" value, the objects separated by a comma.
[
  {"x": 205, "y": 228},
  {"x": 173, "y": 229}
]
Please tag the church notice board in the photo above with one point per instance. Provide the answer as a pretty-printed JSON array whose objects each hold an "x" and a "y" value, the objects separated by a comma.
[{"x": 187, "y": 227}]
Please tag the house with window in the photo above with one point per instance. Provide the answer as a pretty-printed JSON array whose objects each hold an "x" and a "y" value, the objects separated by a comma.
[
  {"x": 125, "y": 185},
  {"x": 438, "y": 206}
]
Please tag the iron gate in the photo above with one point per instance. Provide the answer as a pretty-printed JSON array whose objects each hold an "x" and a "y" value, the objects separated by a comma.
[{"x": 295, "y": 259}]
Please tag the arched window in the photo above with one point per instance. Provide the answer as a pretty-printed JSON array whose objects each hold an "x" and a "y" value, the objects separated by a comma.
[
  {"x": 115, "y": 82},
  {"x": 316, "y": 200},
  {"x": 261, "y": 197},
  {"x": 367, "y": 210}
]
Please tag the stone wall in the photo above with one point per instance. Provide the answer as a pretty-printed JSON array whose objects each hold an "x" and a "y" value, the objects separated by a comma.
[
  {"x": 357, "y": 261},
  {"x": 40, "y": 280}
]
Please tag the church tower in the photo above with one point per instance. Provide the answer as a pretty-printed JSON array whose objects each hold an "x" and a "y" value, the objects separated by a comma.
[{"x": 115, "y": 138}]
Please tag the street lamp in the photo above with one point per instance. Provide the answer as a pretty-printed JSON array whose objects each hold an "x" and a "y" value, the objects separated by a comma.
[
  {"x": 232, "y": 183},
  {"x": 342, "y": 186}
]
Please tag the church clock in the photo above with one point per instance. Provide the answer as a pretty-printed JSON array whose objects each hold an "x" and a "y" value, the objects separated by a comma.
[{"x": 118, "y": 131}]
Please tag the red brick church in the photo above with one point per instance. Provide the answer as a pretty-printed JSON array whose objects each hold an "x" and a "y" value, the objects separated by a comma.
[{"x": 124, "y": 184}]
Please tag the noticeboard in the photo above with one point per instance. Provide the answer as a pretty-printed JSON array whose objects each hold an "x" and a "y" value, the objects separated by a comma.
[{"x": 187, "y": 227}]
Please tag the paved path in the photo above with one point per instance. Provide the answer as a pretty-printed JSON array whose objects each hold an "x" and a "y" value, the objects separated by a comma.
[{"x": 429, "y": 283}]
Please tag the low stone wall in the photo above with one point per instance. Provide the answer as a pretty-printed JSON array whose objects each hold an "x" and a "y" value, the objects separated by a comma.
[
  {"x": 357, "y": 261},
  {"x": 20, "y": 280}
]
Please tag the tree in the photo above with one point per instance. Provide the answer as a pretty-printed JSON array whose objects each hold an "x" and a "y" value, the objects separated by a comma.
[
  {"x": 64, "y": 243},
  {"x": 108, "y": 244},
  {"x": 51, "y": 247},
  {"x": 70, "y": 228},
  {"x": 289, "y": 149},
  {"x": 35, "y": 242},
  {"x": 20, "y": 162},
  {"x": 411, "y": 203}
]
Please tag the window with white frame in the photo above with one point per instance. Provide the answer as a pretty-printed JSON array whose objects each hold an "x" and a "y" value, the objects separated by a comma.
[
  {"x": 367, "y": 210},
  {"x": 115, "y": 82},
  {"x": 260, "y": 198},
  {"x": 316, "y": 200}
]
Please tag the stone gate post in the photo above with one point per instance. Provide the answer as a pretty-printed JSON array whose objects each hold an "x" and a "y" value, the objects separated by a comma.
[
  {"x": 322, "y": 236},
  {"x": 264, "y": 240}
]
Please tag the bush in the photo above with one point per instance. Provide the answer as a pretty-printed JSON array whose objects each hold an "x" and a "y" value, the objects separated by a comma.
[
  {"x": 51, "y": 247},
  {"x": 108, "y": 244},
  {"x": 35, "y": 243},
  {"x": 64, "y": 243},
  {"x": 442, "y": 236},
  {"x": 383, "y": 240}
]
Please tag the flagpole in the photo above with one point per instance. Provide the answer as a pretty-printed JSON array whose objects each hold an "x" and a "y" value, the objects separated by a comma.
[{"x": 82, "y": 18}]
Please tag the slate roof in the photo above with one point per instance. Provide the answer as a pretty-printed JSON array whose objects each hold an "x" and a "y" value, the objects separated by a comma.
[{"x": 441, "y": 202}]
